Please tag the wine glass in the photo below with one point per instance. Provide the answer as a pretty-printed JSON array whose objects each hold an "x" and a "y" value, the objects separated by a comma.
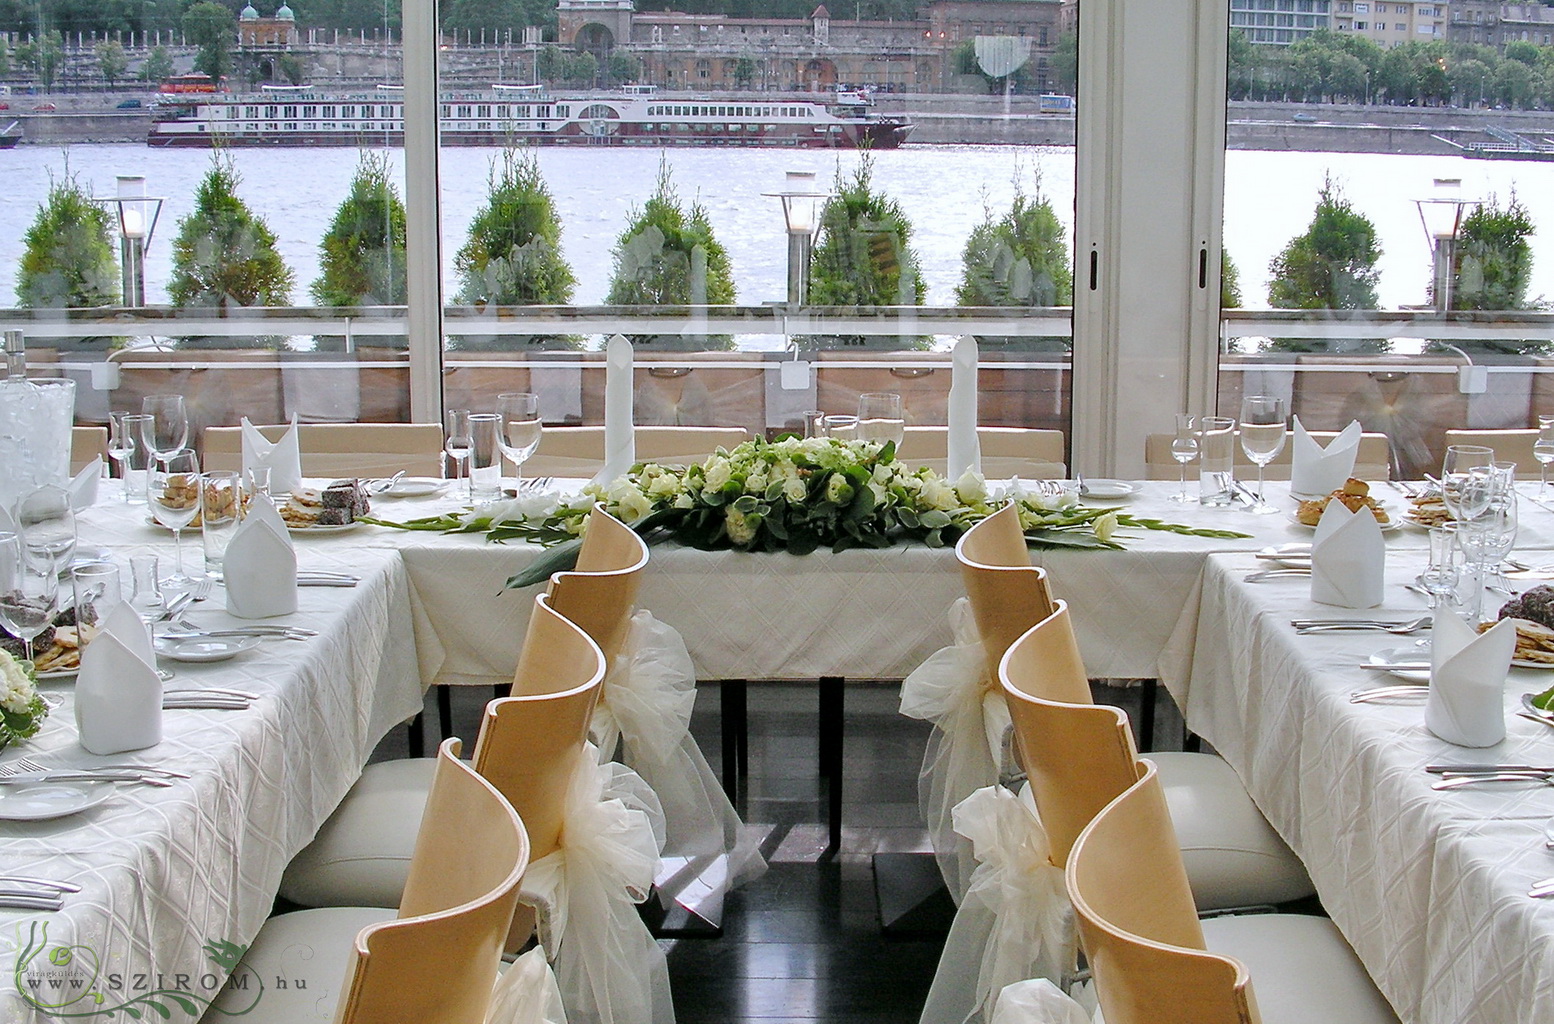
[
  {"x": 47, "y": 527},
  {"x": 1184, "y": 448},
  {"x": 521, "y": 428},
  {"x": 124, "y": 445},
  {"x": 168, "y": 431},
  {"x": 1262, "y": 437},
  {"x": 175, "y": 500},
  {"x": 880, "y": 417},
  {"x": 1543, "y": 451},
  {"x": 459, "y": 443},
  {"x": 27, "y": 593},
  {"x": 1467, "y": 481}
]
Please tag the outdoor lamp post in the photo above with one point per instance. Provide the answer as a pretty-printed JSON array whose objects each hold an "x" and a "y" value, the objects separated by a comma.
[
  {"x": 1441, "y": 215},
  {"x": 138, "y": 215},
  {"x": 801, "y": 212}
]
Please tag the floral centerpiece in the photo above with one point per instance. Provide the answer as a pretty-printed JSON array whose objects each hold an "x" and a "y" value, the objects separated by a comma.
[
  {"x": 22, "y": 710},
  {"x": 792, "y": 495}
]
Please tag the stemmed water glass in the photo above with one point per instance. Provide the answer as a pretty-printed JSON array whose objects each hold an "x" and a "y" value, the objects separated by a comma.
[
  {"x": 126, "y": 449},
  {"x": 1543, "y": 451},
  {"x": 459, "y": 442},
  {"x": 1262, "y": 437},
  {"x": 521, "y": 428},
  {"x": 47, "y": 527},
  {"x": 27, "y": 593},
  {"x": 1184, "y": 448},
  {"x": 880, "y": 417},
  {"x": 168, "y": 430},
  {"x": 175, "y": 500},
  {"x": 1467, "y": 480}
]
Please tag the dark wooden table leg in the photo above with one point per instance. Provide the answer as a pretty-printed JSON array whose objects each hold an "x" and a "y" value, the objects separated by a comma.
[
  {"x": 445, "y": 710},
  {"x": 736, "y": 738},
  {"x": 832, "y": 715},
  {"x": 1151, "y": 692},
  {"x": 416, "y": 735}
]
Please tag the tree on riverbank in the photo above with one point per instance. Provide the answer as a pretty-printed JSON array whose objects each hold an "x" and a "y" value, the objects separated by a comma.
[
  {"x": 212, "y": 28},
  {"x": 362, "y": 255},
  {"x": 224, "y": 255},
  {"x": 1331, "y": 265},
  {"x": 1493, "y": 257},
  {"x": 1019, "y": 259},
  {"x": 68, "y": 259},
  {"x": 43, "y": 56}
]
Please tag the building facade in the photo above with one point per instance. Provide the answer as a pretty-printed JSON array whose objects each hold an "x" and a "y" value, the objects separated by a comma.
[
  {"x": 1392, "y": 23},
  {"x": 1280, "y": 22},
  {"x": 1495, "y": 24}
]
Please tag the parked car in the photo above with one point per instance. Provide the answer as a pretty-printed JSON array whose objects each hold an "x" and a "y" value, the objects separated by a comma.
[
  {"x": 4, "y": 105},
  {"x": 45, "y": 107},
  {"x": 129, "y": 105}
]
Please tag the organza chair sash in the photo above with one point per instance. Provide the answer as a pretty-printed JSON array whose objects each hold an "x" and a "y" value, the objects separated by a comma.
[
  {"x": 527, "y": 993},
  {"x": 1039, "y": 1001}
]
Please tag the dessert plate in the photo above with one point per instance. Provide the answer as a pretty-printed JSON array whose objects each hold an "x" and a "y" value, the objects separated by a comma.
[
  {"x": 1108, "y": 490},
  {"x": 413, "y": 487},
  {"x": 37, "y": 801},
  {"x": 204, "y": 648}
]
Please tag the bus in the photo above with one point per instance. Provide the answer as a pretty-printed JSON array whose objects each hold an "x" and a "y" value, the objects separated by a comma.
[
  {"x": 193, "y": 82},
  {"x": 1053, "y": 103}
]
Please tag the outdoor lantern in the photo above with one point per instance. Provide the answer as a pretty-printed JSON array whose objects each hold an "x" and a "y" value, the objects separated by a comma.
[
  {"x": 1441, "y": 216},
  {"x": 137, "y": 215},
  {"x": 801, "y": 205}
]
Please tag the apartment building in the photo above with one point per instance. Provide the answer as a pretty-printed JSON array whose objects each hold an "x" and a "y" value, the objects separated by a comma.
[
  {"x": 1495, "y": 24},
  {"x": 1280, "y": 22},
  {"x": 1390, "y": 24}
]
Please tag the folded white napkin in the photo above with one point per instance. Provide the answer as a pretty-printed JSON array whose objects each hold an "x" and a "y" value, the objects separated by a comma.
[
  {"x": 1318, "y": 470},
  {"x": 964, "y": 451},
  {"x": 620, "y": 432},
  {"x": 260, "y": 565},
  {"x": 1348, "y": 558},
  {"x": 118, "y": 693},
  {"x": 83, "y": 486},
  {"x": 283, "y": 457},
  {"x": 1038, "y": 1001},
  {"x": 1466, "y": 705}
]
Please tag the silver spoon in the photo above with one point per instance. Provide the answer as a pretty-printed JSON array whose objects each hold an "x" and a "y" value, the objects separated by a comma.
[{"x": 1412, "y": 625}]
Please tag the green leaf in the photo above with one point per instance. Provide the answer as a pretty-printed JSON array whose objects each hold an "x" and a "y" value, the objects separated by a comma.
[{"x": 560, "y": 558}]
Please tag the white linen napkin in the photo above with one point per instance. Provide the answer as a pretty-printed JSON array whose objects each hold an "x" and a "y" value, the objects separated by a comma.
[
  {"x": 1315, "y": 470},
  {"x": 118, "y": 692},
  {"x": 283, "y": 457},
  {"x": 1466, "y": 705},
  {"x": 1348, "y": 558},
  {"x": 964, "y": 451},
  {"x": 83, "y": 486},
  {"x": 620, "y": 435},
  {"x": 260, "y": 565}
]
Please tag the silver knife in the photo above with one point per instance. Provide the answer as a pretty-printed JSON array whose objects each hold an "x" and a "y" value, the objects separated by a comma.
[
  {"x": 1485, "y": 769},
  {"x": 32, "y": 902},
  {"x": 42, "y": 883},
  {"x": 80, "y": 775}
]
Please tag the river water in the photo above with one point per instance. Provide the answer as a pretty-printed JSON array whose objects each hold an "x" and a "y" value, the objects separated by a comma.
[{"x": 1269, "y": 198}]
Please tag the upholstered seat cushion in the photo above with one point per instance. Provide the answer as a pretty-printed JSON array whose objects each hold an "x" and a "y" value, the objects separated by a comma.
[
  {"x": 1303, "y": 972},
  {"x": 295, "y": 970},
  {"x": 1234, "y": 857},
  {"x": 361, "y": 856}
]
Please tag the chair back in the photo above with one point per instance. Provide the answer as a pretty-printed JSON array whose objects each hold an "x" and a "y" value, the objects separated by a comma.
[
  {"x": 1372, "y": 460},
  {"x": 437, "y": 963},
  {"x": 600, "y": 594},
  {"x": 1077, "y": 755},
  {"x": 1006, "y": 451},
  {"x": 86, "y": 444},
  {"x": 578, "y": 451},
  {"x": 1138, "y": 924},
  {"x": 1007, "y": 593},
  {"x": 336, "y": 450},
  {"x": 1509, "y": 445}
]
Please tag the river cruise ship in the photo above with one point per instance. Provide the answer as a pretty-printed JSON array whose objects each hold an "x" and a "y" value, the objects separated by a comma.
[{"x": 507, "y": 114}]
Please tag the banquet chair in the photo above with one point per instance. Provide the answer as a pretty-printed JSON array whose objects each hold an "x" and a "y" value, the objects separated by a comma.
[
  {"x": 86, "y": 444},
  {"x": 1079, "y": 755},
  {"x": 1373, "y": 459},
  {"x": 1006, "y": 451},
  {"x": 331, "y": 450},
  {"x": 1006, "y": 591},
  {"x": 435, "y": 962},
  {"x": 600, "y": 592},
  {"x": 578, "y": 451},
  {"x": 1509, "y": 445},
  {"x": 1154, "y": 962}
]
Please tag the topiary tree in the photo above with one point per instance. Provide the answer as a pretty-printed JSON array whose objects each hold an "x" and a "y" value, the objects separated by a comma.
[
  {"x": 1493, "y": 258},
  {"x": 667, "y": 256},
  {"x": 513, "y": 254},
  {"x": 864, "y": 256},
  {"x": 1020, "y": 259},
  {"x": 362, "y": 255},
  {"x": 68, "y": 259},
  {"x": 1332, "y": 265}
]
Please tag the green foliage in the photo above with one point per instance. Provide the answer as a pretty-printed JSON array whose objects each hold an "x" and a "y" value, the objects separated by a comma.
[
  {"x": 43, "y": 56},
  {"x": 550, "y": 63},
  {"x": 362, "y": 255},
  {"x": 224, "y": 255},
  {"x": 1332, "y": 265},
  {"x": 1020, "y": 259},
  {"x": 580, "y": 68},
  {"x": 1229, "y": 282},
  {"x": 111, "y": 60},
  {"x": 5, "y": 57},
  {"x": 496, "y": 16},
  {"x": 744, "y": 72},
  {"x": 624, "y": 67},
  {"x": 68, "y": 260},
  {"x": 668, "y": 257},
  {"x": 1524, "y": 52},
  {"x": 157, "y": 66},
  {"x": 213, "y": 29},
  {"x": 513, "y": 253},
  {"x": 963, "y": 60},
  {"x": 1064, "y": 63},
  {"x": 1493, "y": 257}
]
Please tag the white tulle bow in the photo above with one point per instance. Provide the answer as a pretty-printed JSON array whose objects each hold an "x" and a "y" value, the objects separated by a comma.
[
  {"x": 608, "y": 967},
  {"x": 645, "y": 707},
  {"x": 527, "y": 993},
  {"x": 1039, "y": 1001},
  {"x": 1015, "y": 921},
  {"x": 951, "y": 689}
]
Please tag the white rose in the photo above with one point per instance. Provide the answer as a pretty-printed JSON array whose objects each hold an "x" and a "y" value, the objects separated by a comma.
[
  {"x": 971, "y": 487},
  {"x": 663, "y": 486},
  {"x": 838, "y": 490},
  {"x": 755, "y": 483},
  {"x": 741, "y": 528},
  {"x": 684, "y": 500},
  {"x": 1105, "y": 526},
  {"x": 719, "y": 473},
  {"x": 17, "y": 688},
  {"x": 795, "y": 490},
  {"x": 629, "y": 503},
  {"x": 940, "y": 495}
]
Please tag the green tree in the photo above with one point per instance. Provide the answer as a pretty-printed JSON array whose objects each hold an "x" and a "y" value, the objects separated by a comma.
[
  {"x": 1524, "y": 52},
  {"x": 581, "y": 68},
  {"x": 624, "y": 66},
  {"x": 213, "y": 29},
  {"x": 1229, "y": 281},
  {"x": 67, "y": 259},
  {"x": 1493, "y": 259},
  {"x": 964, "y": 60},
  {"x": 1514, "y": 84},
  {"x": 5, "y": 57},
  {"x": 43, "y": 57},
  {"x": 224, "y": 255},
  {"x": 292, "y": 68},
  {"x": 157, "y": 66},
  {"x": 668, "y": 256},
  {"x": 1019, "y": 259},
  {"x": 1064, "y": 63},
  {"x": 362, "y": 255},
  {"x": 1470, "y": 81},
  {"x": 550, "y": 63},
  {"x": 1332, "y": 265},
  {"x": 111, "y": 61},
  {"x": 744, "y": 72}
]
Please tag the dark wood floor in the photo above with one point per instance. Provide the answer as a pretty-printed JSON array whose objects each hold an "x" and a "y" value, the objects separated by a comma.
[{"x": 804, "y": 942}]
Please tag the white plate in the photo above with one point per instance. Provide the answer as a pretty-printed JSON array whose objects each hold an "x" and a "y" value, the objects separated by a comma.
[
  {"x": 1404, "y": 655},
  {"x": 1393, "y": 523},
  {"x": 413, "y": 487},
  {"x": 1295, "y": 556},
  {"x": 35, "y": 801},
  {"x": 1108, "y": 490},
  {"x": 211, "y": 648},
  {"x": 61, "y": 673},
  {"x": 317, "y": 528}
]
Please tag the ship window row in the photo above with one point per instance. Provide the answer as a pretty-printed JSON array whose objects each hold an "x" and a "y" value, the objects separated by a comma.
[{"x": 668, "y": 110}]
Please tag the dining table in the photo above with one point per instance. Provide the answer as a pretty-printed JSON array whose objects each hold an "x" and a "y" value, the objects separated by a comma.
[{"x": 174, "y": 877}]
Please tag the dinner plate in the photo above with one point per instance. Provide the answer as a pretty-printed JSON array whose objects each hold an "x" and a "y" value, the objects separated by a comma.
[
  {"x": 202, "y": 648},
  {"x": 1108, "y": 490},
  {"x": 412, "y": 487},
  {"x": 61, "y": 673},
  {"x": 36, "y": 801},
  {"x": 1393, "y": 523},
  {"x": 1404, "y": 655},
  {"x": 321, "y": 528}
]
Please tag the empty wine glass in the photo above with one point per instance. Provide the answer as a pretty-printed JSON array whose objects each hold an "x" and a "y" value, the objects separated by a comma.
[
  {"x": 168, "y": 431},
  {"x": 1467, "y": 481},
  {"x": 124, "y": 446},
  {"x": 1262, "y": 437},
  {"x": 521, "y": 428},
  {"x": 460, "y": 441},
  {"x": 1543, "y": 451},
  {"x": 880, "y": 417},
  {"x": 47, "y": 527},
  {"x": 1184, "y": 448},
  {"x": 175, "y": 500},
  {"x": 27, "y": 593}
]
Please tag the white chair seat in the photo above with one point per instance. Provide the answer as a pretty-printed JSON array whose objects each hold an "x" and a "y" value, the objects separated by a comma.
[
  {"x": 309, "y": 952},
  {"x": 361, "y": 857},
  {"x": 1234, "y": 858},
  {"x": 1302, "y": 969}
]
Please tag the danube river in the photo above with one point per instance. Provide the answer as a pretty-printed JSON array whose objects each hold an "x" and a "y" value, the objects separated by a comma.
[{"x": 942, "y": 189}]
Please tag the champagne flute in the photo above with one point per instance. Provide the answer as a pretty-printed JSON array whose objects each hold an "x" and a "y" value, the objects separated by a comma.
[
  {"x": 175, "y": 500},
  {"x": 880, "y": 417},
  {"x": 1262, "y": 437},
  {"x": 1467, "y": 480},
  {"x": 1184, "y": 448},
  {"x": 27, "y": 594},
  {"x": 460, "y": 441},
  {"x": 136, "y": 457},
  {"x": 521, "y": 428},
  {"x": 168, "y": 431},
  {"x": 47, "y": 527},
  {"x": 1543, "y": 451}
]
